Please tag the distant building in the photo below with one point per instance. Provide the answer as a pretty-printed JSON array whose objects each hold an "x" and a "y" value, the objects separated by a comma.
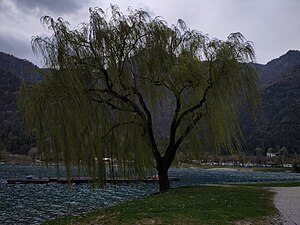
[{"x": 271, "y": 155}]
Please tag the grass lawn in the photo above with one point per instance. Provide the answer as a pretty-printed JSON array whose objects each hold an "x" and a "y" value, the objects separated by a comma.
[{"x": 187, "y": 205}]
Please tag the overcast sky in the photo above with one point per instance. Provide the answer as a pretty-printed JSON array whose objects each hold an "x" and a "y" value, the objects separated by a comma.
[{"x": 272, "y": 25}]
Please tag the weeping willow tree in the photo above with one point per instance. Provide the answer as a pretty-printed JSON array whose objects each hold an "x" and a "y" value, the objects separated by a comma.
[{"x": 110, "y": 81}]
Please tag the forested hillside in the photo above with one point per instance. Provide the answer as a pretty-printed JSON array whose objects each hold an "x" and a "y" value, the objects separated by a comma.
[
  {"x": 277, "y": 123},
  {"x": 277, "y": 68},
  {"x": 12, "y": 134}
]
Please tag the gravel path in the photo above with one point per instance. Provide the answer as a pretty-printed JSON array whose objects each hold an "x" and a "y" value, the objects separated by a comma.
[{"x": 287, "y": 201}]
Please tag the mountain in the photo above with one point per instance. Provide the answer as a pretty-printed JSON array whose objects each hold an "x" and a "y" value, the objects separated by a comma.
[
  {"x": 278, "y": 121},
  {"x": 20, "y": 68},
  {"x": 12, "y": 133},
  {"x": 277, "y": 67}
]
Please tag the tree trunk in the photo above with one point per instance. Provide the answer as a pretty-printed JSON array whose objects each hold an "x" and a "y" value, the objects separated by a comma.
[{"x": 164, "y": 183}]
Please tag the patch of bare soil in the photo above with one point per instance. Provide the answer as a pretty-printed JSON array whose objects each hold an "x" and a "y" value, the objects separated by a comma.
[
  {"x": 276, "y": 220},
  {"x": 149, "y": 222}
]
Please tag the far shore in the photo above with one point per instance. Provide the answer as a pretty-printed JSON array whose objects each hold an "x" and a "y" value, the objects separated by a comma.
[{"x": 27, "y": 160}]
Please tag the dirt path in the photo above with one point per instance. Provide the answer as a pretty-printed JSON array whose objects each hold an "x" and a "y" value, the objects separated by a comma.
[{"x": 287, "y": 201}]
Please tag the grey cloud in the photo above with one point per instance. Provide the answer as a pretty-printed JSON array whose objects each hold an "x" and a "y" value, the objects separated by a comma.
[
  {"x": 19, "y": 47},
  {"x": 54, "y": 6},
  {"x": 273, "y": 25}
]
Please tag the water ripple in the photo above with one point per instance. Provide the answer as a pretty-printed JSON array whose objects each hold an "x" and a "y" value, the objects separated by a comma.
[{"x": 33, "y": 204}]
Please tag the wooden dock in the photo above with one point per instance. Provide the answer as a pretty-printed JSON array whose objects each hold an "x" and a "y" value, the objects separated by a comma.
[{"x": 79, "y": 180}]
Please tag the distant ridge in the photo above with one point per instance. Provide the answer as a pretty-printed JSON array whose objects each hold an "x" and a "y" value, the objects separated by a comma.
[
  {"x": 277, "y": 125},
  {"x": 275, "y": 67},
  {"x": 20, "y": 68},
  {"x": 12, "y": 132}
]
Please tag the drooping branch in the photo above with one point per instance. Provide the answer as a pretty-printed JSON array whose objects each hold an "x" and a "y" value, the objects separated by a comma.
[
  {"x": 145, "y": 114},
  {"x": 108, "y": 81},
  {"x": 119, "y": 125},
  {"x": 113, "y": 106},
  {"x": 111, "y": 74},
  {"x": 156, "y": 82}
]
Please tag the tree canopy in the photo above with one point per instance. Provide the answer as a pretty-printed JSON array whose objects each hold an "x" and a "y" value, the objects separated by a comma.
[{"x": 131, "y": 88}]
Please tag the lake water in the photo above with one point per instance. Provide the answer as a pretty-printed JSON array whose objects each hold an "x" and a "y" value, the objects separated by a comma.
[{"x": 33, "y": 204}]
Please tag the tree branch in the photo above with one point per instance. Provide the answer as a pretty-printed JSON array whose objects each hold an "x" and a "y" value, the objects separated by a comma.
[
  {"x": 174, "y": 124},
  {"x": 155, "y": 82},
  {"x": 154, "y": 147},
  {"x": 195, "y": 107},
  {"x": 119, "y": 125},
  {"x": 187, "y": 131}
]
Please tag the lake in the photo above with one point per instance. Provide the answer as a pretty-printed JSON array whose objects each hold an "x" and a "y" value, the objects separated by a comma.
[{"x": 33, "y": 204}]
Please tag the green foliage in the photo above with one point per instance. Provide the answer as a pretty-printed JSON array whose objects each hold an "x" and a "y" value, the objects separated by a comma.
[
  {"x": 33, "y": 153},
  {"x": 278, "y": 122},
  {"x": 283, "y": 151},
  {"x": 271, "y": 150},
  {"x": 191, "y": 205},
  {"x": 111, "y": 79},
  {"x": 12, "y": 134},
  {"x": 259, "y": 151},
  {"x": 3, "y": 154}
]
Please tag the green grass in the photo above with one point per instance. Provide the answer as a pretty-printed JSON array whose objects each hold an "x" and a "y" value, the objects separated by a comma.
[{"x": 189, "y": 205}]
